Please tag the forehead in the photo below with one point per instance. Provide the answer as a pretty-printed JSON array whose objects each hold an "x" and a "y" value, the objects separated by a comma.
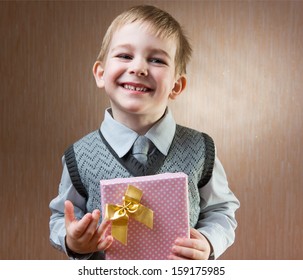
[{"x": 142, "y": 34}]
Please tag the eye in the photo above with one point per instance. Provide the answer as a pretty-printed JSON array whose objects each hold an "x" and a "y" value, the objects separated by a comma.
[
  {"x": 124, "y": 56},
  {"x": 157, "y": 61}
]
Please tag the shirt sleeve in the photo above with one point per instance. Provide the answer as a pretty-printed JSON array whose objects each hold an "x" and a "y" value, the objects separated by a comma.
[
  {"x": 57, "y": 223},
  {"x": 217, "y": 216}
]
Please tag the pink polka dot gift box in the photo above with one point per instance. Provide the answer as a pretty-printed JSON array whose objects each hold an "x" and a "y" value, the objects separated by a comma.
[{"x": 148, "y": 213}]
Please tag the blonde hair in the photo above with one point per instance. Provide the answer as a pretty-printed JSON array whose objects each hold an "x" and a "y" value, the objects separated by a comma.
[{"x": 161, "y": 23}]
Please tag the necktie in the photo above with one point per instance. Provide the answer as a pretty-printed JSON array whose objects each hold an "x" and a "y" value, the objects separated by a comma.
[{"x": 140, "y": 149}]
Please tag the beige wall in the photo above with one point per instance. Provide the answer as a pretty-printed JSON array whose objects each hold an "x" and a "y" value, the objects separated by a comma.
[{"x": 245, "y": 89}]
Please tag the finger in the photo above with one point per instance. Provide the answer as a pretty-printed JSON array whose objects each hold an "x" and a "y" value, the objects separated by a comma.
[
  {"x": 195, "y": 234},
  {"x": 91, "y": 228},
  {"x": 195, "y": 244},
  {"x": 175, "y": 257},
  {"x": 188, "y": 253},
  {"x": 69, "y": 212},
  {"x": 96, "y": 216},
  {"x": 103, "y": 227},
  {"x": 105, "y": 243},
  {"x": 190, "y": 248}
]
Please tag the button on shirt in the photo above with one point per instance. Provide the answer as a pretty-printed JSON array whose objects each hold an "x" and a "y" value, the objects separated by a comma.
[{"x": 217, "y": 227}]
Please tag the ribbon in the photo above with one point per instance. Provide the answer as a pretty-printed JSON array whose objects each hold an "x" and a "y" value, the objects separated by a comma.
[{"x": 119, "y": 214}]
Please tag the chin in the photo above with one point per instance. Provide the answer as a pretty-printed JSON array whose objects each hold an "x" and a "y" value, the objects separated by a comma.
[{"x": 134, "y": 108}]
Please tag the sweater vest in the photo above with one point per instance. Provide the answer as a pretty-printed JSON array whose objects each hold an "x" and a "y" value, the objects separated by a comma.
[{"x": 92, "y": 159}]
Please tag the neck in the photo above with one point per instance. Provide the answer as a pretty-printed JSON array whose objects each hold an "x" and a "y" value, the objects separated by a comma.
[{"x": 138, "y": 123}]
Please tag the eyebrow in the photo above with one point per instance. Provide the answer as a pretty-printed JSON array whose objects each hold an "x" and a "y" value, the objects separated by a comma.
[{"x": 152, "y": 50}]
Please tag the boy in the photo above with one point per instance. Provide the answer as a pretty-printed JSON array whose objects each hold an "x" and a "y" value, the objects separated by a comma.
[{"x": 141, "y": 66}]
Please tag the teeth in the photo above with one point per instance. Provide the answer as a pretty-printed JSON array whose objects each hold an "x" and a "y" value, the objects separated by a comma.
[{"x": 135, "y": 88}]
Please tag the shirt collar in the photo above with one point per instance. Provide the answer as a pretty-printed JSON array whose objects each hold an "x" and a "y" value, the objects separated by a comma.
[{"x": 121, "y": 138}]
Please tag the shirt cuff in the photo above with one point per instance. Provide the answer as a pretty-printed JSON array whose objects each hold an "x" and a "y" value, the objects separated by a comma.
[{"x": 76, "y": 256}]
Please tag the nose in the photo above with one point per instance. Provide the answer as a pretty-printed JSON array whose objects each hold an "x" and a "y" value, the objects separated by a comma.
[{"x": 138, "y": 67}]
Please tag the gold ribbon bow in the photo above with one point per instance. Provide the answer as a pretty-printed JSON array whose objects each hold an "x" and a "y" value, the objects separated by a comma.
[{"x": 119, "y": 214}]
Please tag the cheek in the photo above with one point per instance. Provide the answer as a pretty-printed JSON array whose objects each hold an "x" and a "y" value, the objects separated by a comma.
[
  {"x": 112, "y": 72},
  {"x": 167, "y": 84},
  {"x": 165, "y": 77}
]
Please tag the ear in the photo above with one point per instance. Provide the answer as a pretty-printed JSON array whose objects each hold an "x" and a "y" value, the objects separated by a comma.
[
  {"x": 179, "y": 86},
  {"x": 98, "y": 72}
]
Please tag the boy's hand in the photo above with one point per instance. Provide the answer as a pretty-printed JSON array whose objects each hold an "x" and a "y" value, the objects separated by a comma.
[
  {"x": 196, "y": 247},
  {"x": 84, "y": 236}
]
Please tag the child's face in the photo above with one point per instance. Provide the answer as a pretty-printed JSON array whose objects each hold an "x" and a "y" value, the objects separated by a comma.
[{"x": 139, "y": 73}]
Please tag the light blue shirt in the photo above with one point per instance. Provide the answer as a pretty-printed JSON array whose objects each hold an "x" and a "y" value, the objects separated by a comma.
[
  {"x": 121, "y": 138},
  {"x": 217, "y": 226}
]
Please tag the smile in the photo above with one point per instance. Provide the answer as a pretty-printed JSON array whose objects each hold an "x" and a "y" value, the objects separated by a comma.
[{"x": 135, "y": 88}]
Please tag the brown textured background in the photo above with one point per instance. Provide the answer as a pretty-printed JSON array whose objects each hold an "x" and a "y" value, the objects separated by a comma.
[{"x": 245, "y": 90}]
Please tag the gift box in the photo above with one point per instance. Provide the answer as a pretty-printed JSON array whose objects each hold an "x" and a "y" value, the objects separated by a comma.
[{"x": 163, "y": 216}]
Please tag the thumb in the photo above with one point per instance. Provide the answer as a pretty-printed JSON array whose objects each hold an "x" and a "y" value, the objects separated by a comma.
[
  {"x": 195, "y": 234},
  {"x": 69, "y": 212}
]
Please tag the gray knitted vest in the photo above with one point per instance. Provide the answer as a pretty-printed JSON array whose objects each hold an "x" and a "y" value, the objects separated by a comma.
[{"x": 91, "y": 159}]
